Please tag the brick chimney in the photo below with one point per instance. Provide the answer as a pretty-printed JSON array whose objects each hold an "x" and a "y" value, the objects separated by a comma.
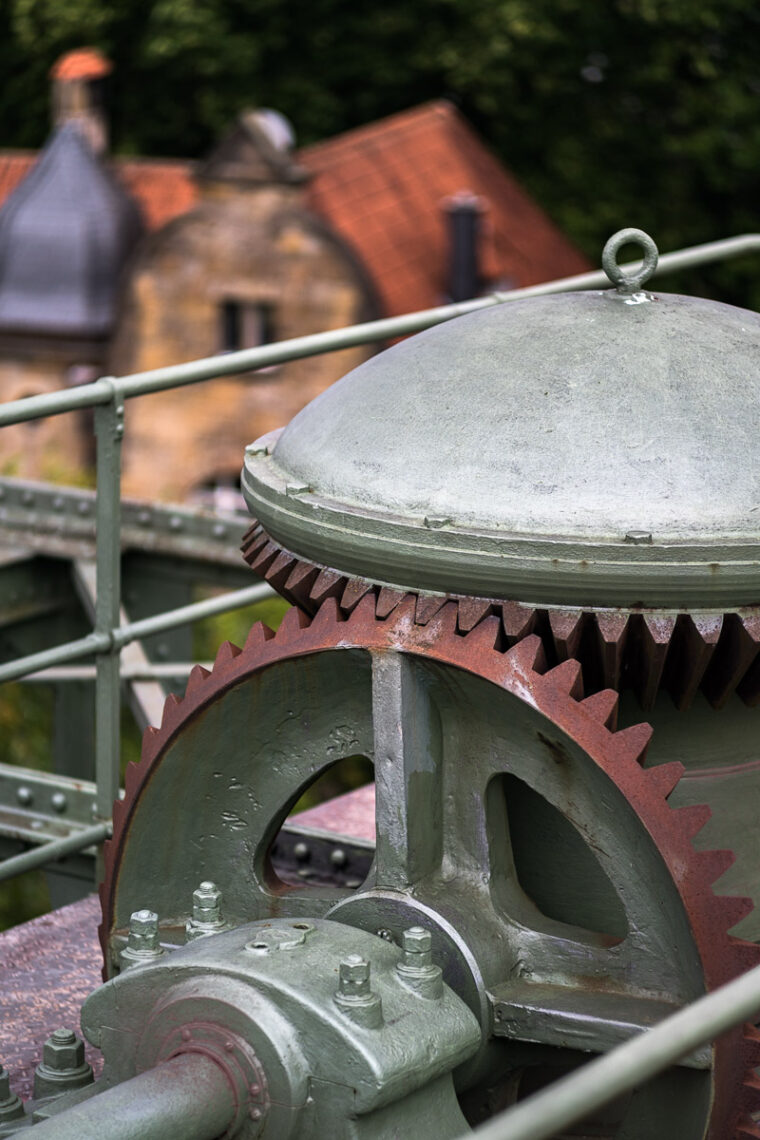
[{"x": 78, "y": 95}]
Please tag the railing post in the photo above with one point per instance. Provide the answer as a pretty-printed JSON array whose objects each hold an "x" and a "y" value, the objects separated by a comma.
[{"x": 109, "y": 431}]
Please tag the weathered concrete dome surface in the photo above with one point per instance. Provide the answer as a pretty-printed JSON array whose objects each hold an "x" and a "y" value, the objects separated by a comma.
[{"x": 530, "y": 450}]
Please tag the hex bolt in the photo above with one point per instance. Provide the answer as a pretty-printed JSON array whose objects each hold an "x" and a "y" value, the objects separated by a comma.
[
  {"x": 416, "y": 969},
  {"x": 143, "y": 942},
  {"x": 417, "y": 945},
  {"x": 353, "y": 976},
  {"x": 207, "y": 916},
  {"x": 11, "y": 1106},
  {"x": 63, "y": 1066},
  {"x": 355, "y": 997}
]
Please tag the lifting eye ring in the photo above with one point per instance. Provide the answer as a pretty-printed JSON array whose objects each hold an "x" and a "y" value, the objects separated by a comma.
[{"x": 629, "y": 282}]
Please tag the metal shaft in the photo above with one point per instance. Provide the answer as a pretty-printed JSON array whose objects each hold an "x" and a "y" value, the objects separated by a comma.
[
  {"x": 187, "y": 1097},
  {"x": 621, "y": 1070}
]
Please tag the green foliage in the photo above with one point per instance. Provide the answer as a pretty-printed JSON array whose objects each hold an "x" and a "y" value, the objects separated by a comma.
[{"x": 637, "y": 112}]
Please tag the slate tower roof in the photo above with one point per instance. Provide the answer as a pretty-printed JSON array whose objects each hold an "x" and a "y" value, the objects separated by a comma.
[{"x": 65, "y": 235}]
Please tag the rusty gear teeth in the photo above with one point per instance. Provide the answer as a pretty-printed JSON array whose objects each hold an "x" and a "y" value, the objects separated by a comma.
[
  {"x": 557, "y": 694},
  {"x": 717, "y": 654}
]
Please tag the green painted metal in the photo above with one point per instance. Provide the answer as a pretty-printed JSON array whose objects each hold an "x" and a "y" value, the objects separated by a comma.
[
  {"x": 608, "y": 924},
  {"x": 627, "y": 1067},
  {"x": 54, "y": 849},
  {"x": 560, "y": 450},
  {"x": 188, "y": 1096},
  {"x": 61, "y": 521},
  {"x": 321, "y": 1011},
  {"x": 719, "y": 749},
  {"x": 109, "y": 432}
]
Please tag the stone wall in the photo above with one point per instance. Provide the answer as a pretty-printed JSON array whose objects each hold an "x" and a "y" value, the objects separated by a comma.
[{"x": 255, "y": 246}]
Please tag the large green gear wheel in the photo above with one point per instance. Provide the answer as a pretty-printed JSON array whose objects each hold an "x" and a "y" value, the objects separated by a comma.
[{"x": 491, "y": 776}]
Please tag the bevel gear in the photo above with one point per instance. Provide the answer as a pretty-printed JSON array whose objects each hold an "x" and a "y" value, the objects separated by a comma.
[
  {"x": 641, "y": 649},
  {"x": 457, "y": 723}
]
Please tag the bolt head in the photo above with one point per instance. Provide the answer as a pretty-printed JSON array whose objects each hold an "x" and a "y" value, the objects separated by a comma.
[
  {"x": 416, "y": 940},
  {"x": 353, "y": 975},
  {"x": 143, "y": 931},
  {"x": 207, "y": 895},
  {"x": 143, "y": 922},
  {"x": 63, "y": 1050}
]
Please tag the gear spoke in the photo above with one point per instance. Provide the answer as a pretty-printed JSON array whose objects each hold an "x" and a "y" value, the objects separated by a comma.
[
  {"x": 585, "y": 1019},
  {"x": 407, "y": 773}
]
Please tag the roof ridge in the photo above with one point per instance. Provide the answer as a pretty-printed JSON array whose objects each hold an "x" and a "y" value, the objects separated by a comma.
[{"x": 420, "y": 111}]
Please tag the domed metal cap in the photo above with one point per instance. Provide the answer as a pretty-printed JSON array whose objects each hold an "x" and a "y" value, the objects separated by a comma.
[{"x": 595, "y": 448}]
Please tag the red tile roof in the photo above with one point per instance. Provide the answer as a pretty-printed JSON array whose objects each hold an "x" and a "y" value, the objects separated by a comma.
[
  {"x": 83, "y": 63},
  {"x": 164, "y": 188},
  {"x": 383, "y": 187}
]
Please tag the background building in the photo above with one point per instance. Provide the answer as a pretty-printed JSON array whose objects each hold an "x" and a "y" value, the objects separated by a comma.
[{"x": 117, "y": 265}]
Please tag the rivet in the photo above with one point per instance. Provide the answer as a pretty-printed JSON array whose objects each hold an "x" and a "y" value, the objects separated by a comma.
[
  {"x": 144, "y": 518},
  {"x": 255, "y": 1090},
  {"x": 301, "y": 851},
  {"x": 186, "y": 1034},
  {"x": 83, "y": 508},
  {"x": 27, "y": 498},
  {"x": 59, "y": 801},
  {"x": 175, "y": 523},
  {"x": 219, "y": 530},
  {"x": 58, "y": 503},
  {"x": 255, "y": 1114},
  {"x": 338, "y": 857},
  {"x": 24, "y": 796},
  {"x": 229, "y": 1047}
]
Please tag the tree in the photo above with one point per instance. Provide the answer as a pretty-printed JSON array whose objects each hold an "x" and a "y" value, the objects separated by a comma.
[{"x": 635, "y": 112}]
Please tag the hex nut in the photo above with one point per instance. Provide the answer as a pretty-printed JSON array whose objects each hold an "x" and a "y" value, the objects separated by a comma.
[
  {"x": 416, "y": 970},
  {"x": 207, "y": 916},
  {"x": 11, "y": 1106},
  {"x": 417, "y": 944},
  {"x": 143, "y": 941},
  {"x": 353, "y": 976},
  {"x": 354, "y": 997},
  {"x": 63, "y": 1065}
]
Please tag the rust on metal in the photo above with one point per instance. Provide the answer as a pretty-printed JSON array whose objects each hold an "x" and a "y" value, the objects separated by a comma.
[
  {"x": 557, "y": 693},
  {"x": 645, "y": 650}
]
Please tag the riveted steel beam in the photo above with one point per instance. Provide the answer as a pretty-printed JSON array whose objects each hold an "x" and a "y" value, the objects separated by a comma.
[{"x": 61, "y": 520}]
